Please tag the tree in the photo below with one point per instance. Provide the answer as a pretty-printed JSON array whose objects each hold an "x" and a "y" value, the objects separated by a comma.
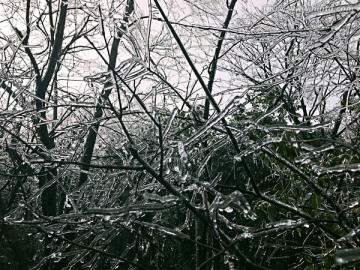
[{"x": 179, "y": 136}]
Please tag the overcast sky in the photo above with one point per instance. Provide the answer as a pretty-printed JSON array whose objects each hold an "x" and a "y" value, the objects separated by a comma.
[{"x": 251, "y": 4}]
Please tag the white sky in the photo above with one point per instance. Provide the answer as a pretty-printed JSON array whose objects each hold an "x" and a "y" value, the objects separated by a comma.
[
  {"x": 256, "y": 3},
  {"x": 251, "y": 4}
]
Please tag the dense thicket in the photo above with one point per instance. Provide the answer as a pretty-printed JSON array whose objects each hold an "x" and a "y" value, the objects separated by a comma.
[{"x": 179, "y": 135}]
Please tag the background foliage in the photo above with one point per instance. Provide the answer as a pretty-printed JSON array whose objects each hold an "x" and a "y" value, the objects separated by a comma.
[{"x": 179, "y": 135}]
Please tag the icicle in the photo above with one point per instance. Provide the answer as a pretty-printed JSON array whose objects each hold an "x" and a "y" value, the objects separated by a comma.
[
  {"x": 153, "y": 104},
  {"x": 172, "y": 117},
  {"x": 341, "y": 168},
  {"x": 288, "y": 223},
  {"x": 181, "y": 151},
  {"x": 345, "y": 256},
  {"x": 161, "y": 199},
  {"x": 182, "y": 161},
  {"x": 296, "y": 128},
  {"x": 278, "y": 106},
  {"x": 314, "y": 151},
  {"x": 332, "y": 10},
  {"x": 101, "y": 28},
  {"x": 252, "y": 149},
  {"x": 348, "y": 237},
  {"x": 235, "y": 200},
  {"x": 216, "y": 180},
  {"x": 31, "y": 46},
  {"x": 211, "y": 122},
  {"x": 204, "y": 162}
]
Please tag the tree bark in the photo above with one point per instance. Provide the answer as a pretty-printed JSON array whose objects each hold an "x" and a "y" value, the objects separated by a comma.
[{"x": 92, "y": 135}]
